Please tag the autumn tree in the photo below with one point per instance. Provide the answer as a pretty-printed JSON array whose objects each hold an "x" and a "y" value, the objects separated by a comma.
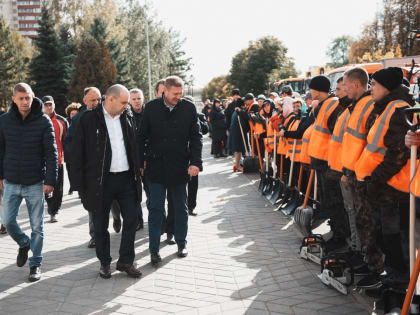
[
  {"x": 338, "y": 51},
  {"x": 251, "y": 67},
  {"x": 93, "y": 67},
  {"x": 218, "y": 87}
]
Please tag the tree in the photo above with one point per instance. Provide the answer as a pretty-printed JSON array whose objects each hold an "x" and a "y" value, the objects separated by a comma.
[
  {"x": 338, "y": 51},
  {"x": 14, "y": 56},
  {"x": 48, "y": 68},
  {"x": 218, "y": 87},
  {"x": 179, "y": 64},
  {"x": 93, "y": 67},
  {"x": 251, "y": 67}
]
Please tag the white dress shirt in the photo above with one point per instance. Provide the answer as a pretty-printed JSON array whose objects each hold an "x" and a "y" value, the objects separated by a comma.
[{"x": 119, "y": 161}]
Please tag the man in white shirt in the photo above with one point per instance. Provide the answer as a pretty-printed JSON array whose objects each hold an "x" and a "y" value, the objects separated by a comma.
[{"x": 106, "y": 168}]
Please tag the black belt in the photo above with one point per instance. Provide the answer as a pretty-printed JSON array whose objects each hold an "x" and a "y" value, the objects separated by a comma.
[{"x": 118, "y": 173}]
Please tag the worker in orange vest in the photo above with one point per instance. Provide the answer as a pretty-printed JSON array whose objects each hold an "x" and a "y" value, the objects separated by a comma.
[
  {"x": 355, "y": 83},
  {"x": 326, "y": 114},
  {"x": 383, "y": 178}
]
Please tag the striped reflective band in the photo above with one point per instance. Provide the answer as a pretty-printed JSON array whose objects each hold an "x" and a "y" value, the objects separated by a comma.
[
  {"x": 305, "y": 140},
  {"x": 296, "y": 152},
  {"x": 373, "y": 147},
  {"x": 356, "y": 133},
  {"x": 319, "y": 127},
  {"x": 297, "y": 142},
  {"x": 340, "y": 136}
]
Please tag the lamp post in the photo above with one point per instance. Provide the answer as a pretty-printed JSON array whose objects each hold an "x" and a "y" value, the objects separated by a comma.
[{"x": 149, "y": 69}]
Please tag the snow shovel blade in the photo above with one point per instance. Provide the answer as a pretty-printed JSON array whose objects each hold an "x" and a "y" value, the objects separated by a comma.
[
  {"x": 263, "y": 179},
  {"x": 295, "y": 201},
  {"x": 269, "y": 187},
  {"x": 284, "y": 197},
  {"x": 273, "y": 196}
]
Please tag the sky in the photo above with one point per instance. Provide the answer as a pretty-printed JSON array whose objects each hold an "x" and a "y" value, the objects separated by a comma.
[{"x": 216, "y": 30}]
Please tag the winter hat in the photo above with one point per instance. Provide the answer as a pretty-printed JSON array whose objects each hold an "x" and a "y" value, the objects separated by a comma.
[
  {"x": 268, "y": 101},
  {"x": 235, "y": 92},
  {"x": 249, "y": 96},
  {"x": 320, "y": 83},
  {"x": 260, "y": 97},
  {"x": 389, "y": 78},
  {"x": 287, "y": 105}
]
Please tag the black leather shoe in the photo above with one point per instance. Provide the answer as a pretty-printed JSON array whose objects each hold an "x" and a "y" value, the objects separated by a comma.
[
  {"x": 131, "y": 271},
  {"x": 155, "y": 258},
  {"x": 3, "y": 229},
  {"x": 117, "y": 225},
  {"x": 34, "y": 274},
  {"x": 22, "y": 256},
  {"x": 92, "y": 243},
  {"x": 105, "y": 272},
  {"x": 170, "y": 239},
  {"x": 191, "y": 212},
  {"x": 182, "y": 252}
]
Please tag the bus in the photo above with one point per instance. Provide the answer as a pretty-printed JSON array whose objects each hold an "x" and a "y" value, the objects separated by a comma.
[{"x": 299, "y": 85}]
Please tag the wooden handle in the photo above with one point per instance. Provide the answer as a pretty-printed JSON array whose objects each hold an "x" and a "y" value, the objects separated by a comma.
[
  {"x": 411, "y": 285},
  {"x": 308, "y": 189},
  {"x": 281, "y": 166},
  {"x": 252, "y": 143},
  {"x": 259, "y": 153},
  {"x": 293, "y": 163},
  {"x": 300, "y": 177}
]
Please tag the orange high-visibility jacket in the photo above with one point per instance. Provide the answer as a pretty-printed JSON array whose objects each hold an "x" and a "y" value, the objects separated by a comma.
[
  {"x": 321, "y": 135},
  {"x": 293, "y": 127},
  {"x": 270, "y": 137},
  {"x": 375, "y": 150},
  {"x": 415, "y": 183},
  {"x": 336, "y": 142},
  {"x": 282, "y": 146},
  {"x": 354, "y": 140},
  {"x": 304, "y": 154}
]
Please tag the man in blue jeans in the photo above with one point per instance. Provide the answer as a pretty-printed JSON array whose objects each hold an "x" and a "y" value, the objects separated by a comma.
[
  {"x": 170, "y": 153},
  {"x": 28, "y": 170}
]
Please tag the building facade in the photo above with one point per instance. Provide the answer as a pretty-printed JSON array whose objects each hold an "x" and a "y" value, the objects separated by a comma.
[{"x": 22, "y": 15}]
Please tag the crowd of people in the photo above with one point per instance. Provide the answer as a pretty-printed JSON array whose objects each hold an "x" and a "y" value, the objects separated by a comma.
[
  {"x": 357, "y": 143},
  {"x": 114, "y": 148}
]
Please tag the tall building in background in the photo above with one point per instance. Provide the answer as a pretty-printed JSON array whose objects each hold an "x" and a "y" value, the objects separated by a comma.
[{"x": 22, "y": 15}]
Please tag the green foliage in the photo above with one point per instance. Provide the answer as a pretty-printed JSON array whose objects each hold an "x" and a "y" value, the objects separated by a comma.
[
  {"x": 252, "y": 68},
  {"x": 48, "y": 70},
  {"x": 218, "y": 87},
  {"x": 338, "y": 51}
]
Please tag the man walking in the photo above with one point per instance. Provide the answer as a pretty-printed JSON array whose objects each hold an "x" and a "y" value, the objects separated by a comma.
[
  {"x": 105, "y": 167},
  {"x": 171, "y": 130},
  {"x": 28, "y": 170},
  {"x": 60, "y": 127}
]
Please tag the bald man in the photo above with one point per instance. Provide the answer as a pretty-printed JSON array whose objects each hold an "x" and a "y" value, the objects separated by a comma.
[{"x": 106, "y": 167}]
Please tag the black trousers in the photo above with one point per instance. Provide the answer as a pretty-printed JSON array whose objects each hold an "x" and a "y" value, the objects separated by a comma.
[
  {"x": 54, "y": 202},
  {"x": 120, "y": 187}
]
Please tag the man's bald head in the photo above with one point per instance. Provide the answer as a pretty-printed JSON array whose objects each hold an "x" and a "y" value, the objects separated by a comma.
[
  {"x": 116, "y": 90},
  {"x": 116, "y": 101}
]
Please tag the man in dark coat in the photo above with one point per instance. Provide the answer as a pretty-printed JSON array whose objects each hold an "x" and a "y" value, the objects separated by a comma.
[
  {"x": 105, "y": 167},
  {"x": 170, "y": 126},
  {"x": 28, "y": 169}
]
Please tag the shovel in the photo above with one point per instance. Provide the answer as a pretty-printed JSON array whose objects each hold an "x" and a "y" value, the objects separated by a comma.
[
  {"x": 270, "y": 182},
  {"x": 263, "y": 175},
  {"x": 276, "y": 182},
  {"x": 250, "y": 164},
  {"x": 287, "y": 192},
  {"x": 303, "y": 215},
  {"x": 296, "y": 196}
]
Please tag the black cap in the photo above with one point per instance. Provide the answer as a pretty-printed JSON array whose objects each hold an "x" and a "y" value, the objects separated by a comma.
[
  {"x": 390, "y": 78},
  {"x": 287, "y": 89},
  {"x": 268, "y": 101},
  {"x": 249, "y": 96},
  {"x": 236, "y": 92},
  {"x": 47, "y": 99},
  {"x": 320, "y": 83}
]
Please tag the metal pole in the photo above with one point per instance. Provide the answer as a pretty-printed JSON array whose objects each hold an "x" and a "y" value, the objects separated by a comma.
[{"x": 149, "y": 70}]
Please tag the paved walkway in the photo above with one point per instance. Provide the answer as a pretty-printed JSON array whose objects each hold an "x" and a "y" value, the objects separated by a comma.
[{"x": 243, "y": 259}]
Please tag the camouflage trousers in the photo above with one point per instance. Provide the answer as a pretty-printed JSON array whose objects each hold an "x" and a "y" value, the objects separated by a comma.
[{"x": 376, "y": 216}]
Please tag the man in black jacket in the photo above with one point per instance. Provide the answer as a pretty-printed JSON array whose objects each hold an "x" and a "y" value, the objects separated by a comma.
[
  {"x": 28, "y": 170},
  {"x": 170, "y": 126},
  {"x": 105, "y": 167}
]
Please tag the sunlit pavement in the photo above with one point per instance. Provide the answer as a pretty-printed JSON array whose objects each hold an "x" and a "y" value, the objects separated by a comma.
[{"x": 243, "y": 259}]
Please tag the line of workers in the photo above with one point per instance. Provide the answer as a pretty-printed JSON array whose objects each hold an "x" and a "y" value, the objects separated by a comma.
[{"x": 354, "y": 140}]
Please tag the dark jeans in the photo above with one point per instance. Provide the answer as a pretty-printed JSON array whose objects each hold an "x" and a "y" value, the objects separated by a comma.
[
  {"x": 54, "y": 202},
  {"x": 120, "y": 187},
  {"x": 177, "y": 197},
  {"x": 192, "y": 192}
]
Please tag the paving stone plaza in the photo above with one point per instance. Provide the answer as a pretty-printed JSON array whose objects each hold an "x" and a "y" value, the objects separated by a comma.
[{"x": 243, "y": 259}]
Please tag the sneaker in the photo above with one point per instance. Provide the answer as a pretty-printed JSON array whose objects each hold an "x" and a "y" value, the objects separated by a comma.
[
  {"x": 92, "y": 243},
  {"x": 361, "y": 271},
  {"x": 53, "y": 219},
  {"x": 3, "y": 229},
  {"x": 34, "y": 273},
  {"x": 22, "y": 256},
  {"x": 371, "y": 281}
]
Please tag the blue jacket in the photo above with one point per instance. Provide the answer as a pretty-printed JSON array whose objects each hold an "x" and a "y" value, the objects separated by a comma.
[{"x": 28, "y": 153}]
